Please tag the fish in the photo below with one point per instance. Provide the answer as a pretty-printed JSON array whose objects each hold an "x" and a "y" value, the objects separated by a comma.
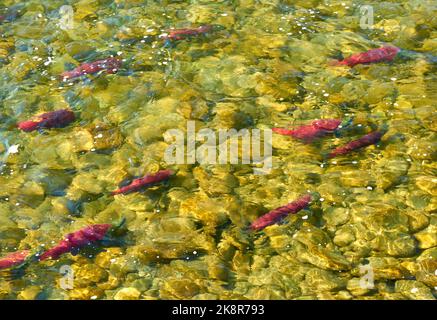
[
  {"x": 180, "y": 34},
  {"x": 103, "y": 234},
  {"x": 54, "y": 119},
  {"x": 14, "y": 259},
  {"x": 364, "y": 141},
  {"x": 110, "y": 65},
  {"x": 385, "y": 53},
  {"x": 77, "y": 240},
  {"x": 308, "y": 133},
  {"x": 144, "y": 182},
  {"x": 278, "y": 214}
]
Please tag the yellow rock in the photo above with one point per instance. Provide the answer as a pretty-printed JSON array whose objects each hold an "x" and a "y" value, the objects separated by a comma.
[
  {"x": 127, "y": 294},
  {"x": 30, "y": 293},
  {"x": 428, "y": 237},
  {"x": 82, "y": 140},
  {"x": 179, "y": 289},
  {"x": 427, "y": 184}
]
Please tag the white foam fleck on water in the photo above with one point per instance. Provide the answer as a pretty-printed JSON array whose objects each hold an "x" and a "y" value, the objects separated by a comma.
[{"x": 13, "y": 149}]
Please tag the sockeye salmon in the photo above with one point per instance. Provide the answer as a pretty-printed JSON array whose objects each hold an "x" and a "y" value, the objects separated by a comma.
[
  {"x": 54, "y": 119},
  {"x": 278, "y": 214},
  {"x": 387, "y": 53},
  {"x": 144, "y": 182},
  {"x": 364, "y": 141},
  {"x": 308, "y": 133},
  {"x": 110, "y": 65},
  {"x": 180, "y": 34}
]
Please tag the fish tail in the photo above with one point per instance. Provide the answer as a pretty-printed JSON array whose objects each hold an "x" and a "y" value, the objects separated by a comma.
[
  {"x": 430, "y": 58},
  {"x": 117, "y": 228},
  {"x": 384, "y": 128},
  {"x": 344, "y": 125},
  {"x": 336, "y": 63},
  {"x": 31, "y": 258},
  {"x": 119, "y": 224},
  {"x": 409, "y": 54},
  {"x": 34, "y": 257},
  {"x": 327, "y": 155},
  {"x": 168, "y": 43},
  {"x": 248, "y": 229},
  {"x": 347, "y": 122},
  {"x": 314, "y": 196}
]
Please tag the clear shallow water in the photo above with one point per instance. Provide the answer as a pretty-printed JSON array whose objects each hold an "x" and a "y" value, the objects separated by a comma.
[{"x": 266, "y": 64}]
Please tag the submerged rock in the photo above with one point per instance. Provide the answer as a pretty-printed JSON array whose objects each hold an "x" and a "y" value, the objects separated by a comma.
[
  {"x": 414, "y": 290},
  {"x": 428, "y": 237},
  {"x": 385, "y": 268},
  {"x": 127, "y": 294},
  {"x": 174, "y": 288},
  {"x": 357, "y": 287}
]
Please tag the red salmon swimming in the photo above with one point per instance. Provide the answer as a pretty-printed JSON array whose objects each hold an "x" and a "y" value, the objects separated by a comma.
[
  {"x": 96, "y": 233},
  {"x": 54, "y": 119},
  {"x": 278, "y": 214},
  {"x": 144, "y": 182},
  {"x": 386, "y": 53},
  {"x": 14, "y": 259},
  {"x": 364, "y": 141},
  {"x": 180, "y": 34},
  {"x": 77, "y": 240},
  {"x": 308, "y": 133},
  {"x": 110, "y": 65}
]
